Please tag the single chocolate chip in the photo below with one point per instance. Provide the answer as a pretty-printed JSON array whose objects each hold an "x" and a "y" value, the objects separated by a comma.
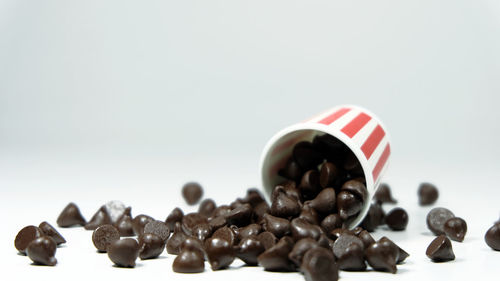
[
  {"x": 124, "y": 252},
  {"x": 217, "y": 222},
  {"x": 249, "y": 230},
  {"x": 249, "y": 249},
  {"x": 220, "y": 253},
  {"x": 101, "y": 217},
  {"x": 221, "y": 211},
  {"x": 115, "y": 210},
  {"x": 291, "y": 171},
  {"x": 188, "y": 261},
  {"x": 49, "y": 230},
  {"x": 348, "y": 204},
  {"x": 334, "y": 234},
  {"x": 309, "y": 185},
  {"x": 306, "y": 156},
  {"x": 159, "y": 228},
  {"x": 42, "y": 251},
  {"x": 277, "y": 226},
  {"x": 440, "y": 249},
  {"x": 175, "y": 241},
  {"x": 284, "y": 206},
  {"x": 324, "y": 202},
  {"x": 343, "y": 241},
  {"x": 25, "y": 236},
  {"x": 267, "y": 239},
  {"x": 455, "y": 228},
  {"x": 373, "y": 218},
  {"x": 397, "y": 219},
  {"x": 352, "y": 258},
  {"x": 300, "y": 229},
  {"x": 436, "y": 219},
  {"x": 427, "y": 194},
  {"x": 383, "y": 194},
  {"x": 300, "y": 248},
  {"x": 189, "y": 221},
  {"x": 328, "y": 175},
  {"x": 240, "y": 216},
  {"x": 492, "y": 237},
  {"x": 253, "y": 197},
  {"x": 202, "y": 231},
  {"x": 357, "y": 188},
  {"x": 309, "y": 214},
  {"x": 103, "y": 236},
  {"x": 139, "y": 222},
  {"x": 381, "y": 257},
  {"x": 70, "y": 216},
  {"x": 192, "y": 192},
  {"x": 260, "y": 210},
  {"x": 366, "y": 237},
  {"x": 193, "y": 244},
  {"x": 400, "y": 254},
  {"x": 289, "y": 188},
  {"x": 319, "y": 264},
  {"x": 207, "y": 207},
  {"x": 151, "y": 246},
  {"x": 225, "y": 233},
  {"x": 125, "y": 225},
  {"x": 331, "y": 222},
  {"x": 174, "y": 216},
  {"x": 276, "y": 257}
]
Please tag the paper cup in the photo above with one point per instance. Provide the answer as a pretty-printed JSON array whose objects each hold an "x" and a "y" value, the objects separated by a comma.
[{"x": 359, "y": 129}]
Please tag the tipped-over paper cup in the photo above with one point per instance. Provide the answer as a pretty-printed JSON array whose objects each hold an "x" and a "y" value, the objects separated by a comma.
[{"x": 360, "y": 130}]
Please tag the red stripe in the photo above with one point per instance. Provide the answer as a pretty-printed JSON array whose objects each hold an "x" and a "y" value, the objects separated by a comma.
[
  {"x": 372, "y": 141},
  {"x": 334, "y": 116},
  {"x": 353, "y": 127},
  {"x": 381, "y": 162}
]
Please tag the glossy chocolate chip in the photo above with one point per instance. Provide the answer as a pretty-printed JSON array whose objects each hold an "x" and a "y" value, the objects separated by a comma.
[
  {"x": 289, "y": 188},
  {"x": 240, "y": 216},
  {"x": 188, "y": 261},
  {"x": 193, "y": 244},
  {"x": 175, "y": 241},
  {"x": 249, "y": 249},
  {"x": 225, "y": 233},
  {"x": 357, "y": 188},
  {"x": 427, "y": 194},
  {"x": 189, "y": 221},
  {"x": 436, "y": 219},
  {"x": 124, "y": 252},
  {"x": 207, "y": 207},
  {"x": 125, "y": 224},
  {"x": 220, "y": 253},
  {"x": 284, "y": 206},
  {"x": 70, "y": 216},
  {"x": 366, "y": 237},
  {"x": 101, "y": 217},
  {"x": 397, "y": 219},
  {"x": 276, "y": 257},
  {"x": 151, "y": 246},
  {"x": 25, "y": 236},
  {"x": 352, "y": 258},
  {"x": 253, "y": 197},
  {"x": 328, "y": 175},
  {"x": 291, "y": 171},
  {"x": 260, "y": 210},
  {"x": 103, "y": 236},
  {"x": 159, "y": 228},
  {"x": 277, "y": 226},
  {"x": 267, "y": 239},
  {"x": 440, "y": 249},
  {"x": 217, "y": 222},
  {"x": 221, "y": 211},
  {"x": 300, "y": 248},
  {"x": 319, "y": 264},
  {"x": 306, "y": 155},
  {"x": 383, "y": 194},
  {"x": 139, "y": 222},
  {"x": 202, "y": 231},
  {"x": 373, "y": 218},
  {"x": 309, "y": 185},
  {"x": 174, "y": 216},
  {"x": 49, "y": 230},
  {"x": 492, "y": 237},
  {"x": 334, "y": 234},
  {"x": 192, "y": 192},
  {"x": 348, "y": 204},
  {"x": 42, "y": 251},
  {"x": 343, "y": 241},
  {"x": 400, "y": 254},
  {"x": 331, "y": 222},
  {"x": 324, "y": 202},
  {"x": 309, "y": 214},
  {"x": 300, "y": 229},
  {"x": 249, "y": 230},
  {"x": 455, "y": 228},
  {"x": 381, "y": 257}
]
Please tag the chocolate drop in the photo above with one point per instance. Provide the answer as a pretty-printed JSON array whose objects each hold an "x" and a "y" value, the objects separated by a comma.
[
  {"x": 124, "y": 252},
  {"x": 381, "y": 257},
  {"x": 49, "y": 230},
  {"x": 440, "y": 249},
  {"x": 25, "y": 236},
  {"x": 328, "y": 175},
  {"x": 175, "y": 241},
  {"x": 267, "y": 239},
  {"x": 42, "y": 251},
  {"x": 319, "y": 264},
  {"x": 300, "y": 248},
  {"x": 383, "y": 194},
  {"x": 324, "y": 202},
  {"x": 103, "y": 236},
  {"x": 207, "y": 207},
  {"x": 151, "y": 246},
  {"x": 277, "y": 226},
  {"x": 219, "y": 252},
  {"x": 427, "y": 194},
  {"x": 192, "y": 192},
  {"x": 348, "y": 204},
  {"x": 276, "y": 257},
  {"x": 249, "y": 249},
  {"x": 492, "y": 237},
  {"x": 436, "y": 219},
  {"x": 455, "y": 228},
  {"x": 309, "y": 185},
  {"x": 352, "y": 258},
  {"x": 70, "y": 216},
  {"x": 139, "y": 222},
  {"x": 397, "y": 219},
  {"x": 331, "y": 222},
  {"x": 159, "y": 228},
  {"x": 174, "y": 216},
  {"x": 101, "y": 217}
]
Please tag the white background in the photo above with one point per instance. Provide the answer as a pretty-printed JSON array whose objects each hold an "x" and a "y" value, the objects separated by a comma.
[{"x": 103, "y": 100}]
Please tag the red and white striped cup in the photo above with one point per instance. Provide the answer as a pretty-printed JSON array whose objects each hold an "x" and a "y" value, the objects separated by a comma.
[{"x": 356, "y": 127}]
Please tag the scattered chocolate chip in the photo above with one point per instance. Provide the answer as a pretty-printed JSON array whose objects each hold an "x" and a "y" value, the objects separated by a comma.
[
  {"x": 103, "y": 236},
  {"x": 284, "y": 205},
  {"x": 381, "y": 257},
  {"x": 440, "y": 249},
  {"x": 400, "y": 254},
  {"x": 174, "y": 216},
  {"x": 42, "y": 251},
  {"x": 397, "y": 219},
  {"x": 328, "y": 175},
  {"x": 309, "y": 185},
  {"x": 267, "y": 239},
  {"x": 352, "y": 258},
  {"x": 373, "y": 218},
  {"x": 175, "y": 241},
  {"x": 300, "y": 229},
  {"x": 189, "y": 221},
  {"x": 343, "y": 241},
  {"x": 383, "y": 194},
  {"x": 319, "y": 264},
  {"x": 240, "y": 216},
  {"x": 151, "y": 246},
  {"x": 124, "y": 252},
  {"x": 277, "y": 226},
  {"x": 125, "y": 224},
  {"x": 115, "y": 209},
  {"x": 455, "y": 228},
  {"x": 207, "y": 207},
  {"x": 436, "y": 219},
  {"x": 202, "y": 231},
  {"x": 366, "y": 238},
  {"x": 427, "y": 194},
  {"x": 25, "y": 236},
  {"x": 492, "y": 237},
  {"x": 276, "y": 257},
  {"x": 139, "y": 222},
  {"x": 220, "y": 253},
  {"x": 159, "y": 228},
  {"x": 192, "y": 192},
  {"x": 324, "y": 202},
  {"x": 189, "y": 261},
  {"x": 300, "y": 248},
  {"x": 331, "y": 222},
  {"x": 348, "y": 204},
  {"x": 249, "y": 249},
  {"x": 357, "y": 188},
  {"x": 49, "y": 230},
  {"x": 306, "y": 156},
  {"x": 101, "y": 217},
  {"x": 70, "y": 216}
]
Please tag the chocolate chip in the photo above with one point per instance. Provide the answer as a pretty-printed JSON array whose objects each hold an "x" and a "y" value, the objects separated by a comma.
[
  {"x": 103, "y": 236},
  {"x": 373, "y": 218},
  {"x": 492, "y": 237},
  {"x": 193, "y": 244},
  {"x": 334, "y": 234},
  {"x": 300, "y": 248},
  {"x": 348, "y": 204},
  {"x": 189, "y": 261},
  {"x": 249, "y": 230},
  {"x": 202, "y": 231},
  {"x": 115, "y": 209},
  {"x": 49, "y": 230},
  {"x": 207, "y": 207},
  {"x": 291, "y": 171},
  {"x": 309, "y": 185},
  {"x": 309, "y": 214},
  {"x": 383, "y": 194},
  {"x": 25, "y": 236},
  {"x": 331, "y": 222},
  {"x": 328, "y": 175},
  {"x": 101, "y": 217},
  {"x": 217, "y": 222},
  {"x": 306, "y": 156},
  {"x": 159, "y": 228},
  {"x": 249, "y": 249},
  {"x": 225, "y": 233},
  {"x": 175, "y": 241},
  {"x": 70, "y": 216},
  {"x": 289, "y": 188},
  {"x": 343, "y": 241},
  {"x": 277, "y": 226},
  {"x": 330, "y": 147},
  {"x": 221, "y": 211},
  {"x": 284, "y": 206},
  {"x": 174, "y": 216},
  {"x": 381, "y": 257},
  {"x": 276, "y": 257},
  {"x": 300, "y": 229},
  {"x": 253, "y": 197},
  {"x": 397, "y": 219},
  {"x": 151, "y": 246},
  {"x": 139, "y": 222},
  {"x": 220, "y": 253},
  {"x": 366, "y": 238},
  {"x": 324, "y": 202},
  {"x": 240, "y": 216},
  {"x": 357, "y": 188},
  {"x": 427, "y": 194},
  {"x": 319, "y": 265},
  {"x": 400, "y": 254},
  {"x": 192, "y": 192},
  {"x": 124, "y": 252},
  {"x": 455, "y": 228},
  {"x": 189, "y": 221},
  {"x": 42, "y": 251},
  {"x": 260, "y": 210},
  {"x": 267, "y": 239},
  {"x": 436, "y": 219},
  {"x": 440, "y": 249},
  {"x": 352, "y": 258},
  {"x": 125, "y": 224}
]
